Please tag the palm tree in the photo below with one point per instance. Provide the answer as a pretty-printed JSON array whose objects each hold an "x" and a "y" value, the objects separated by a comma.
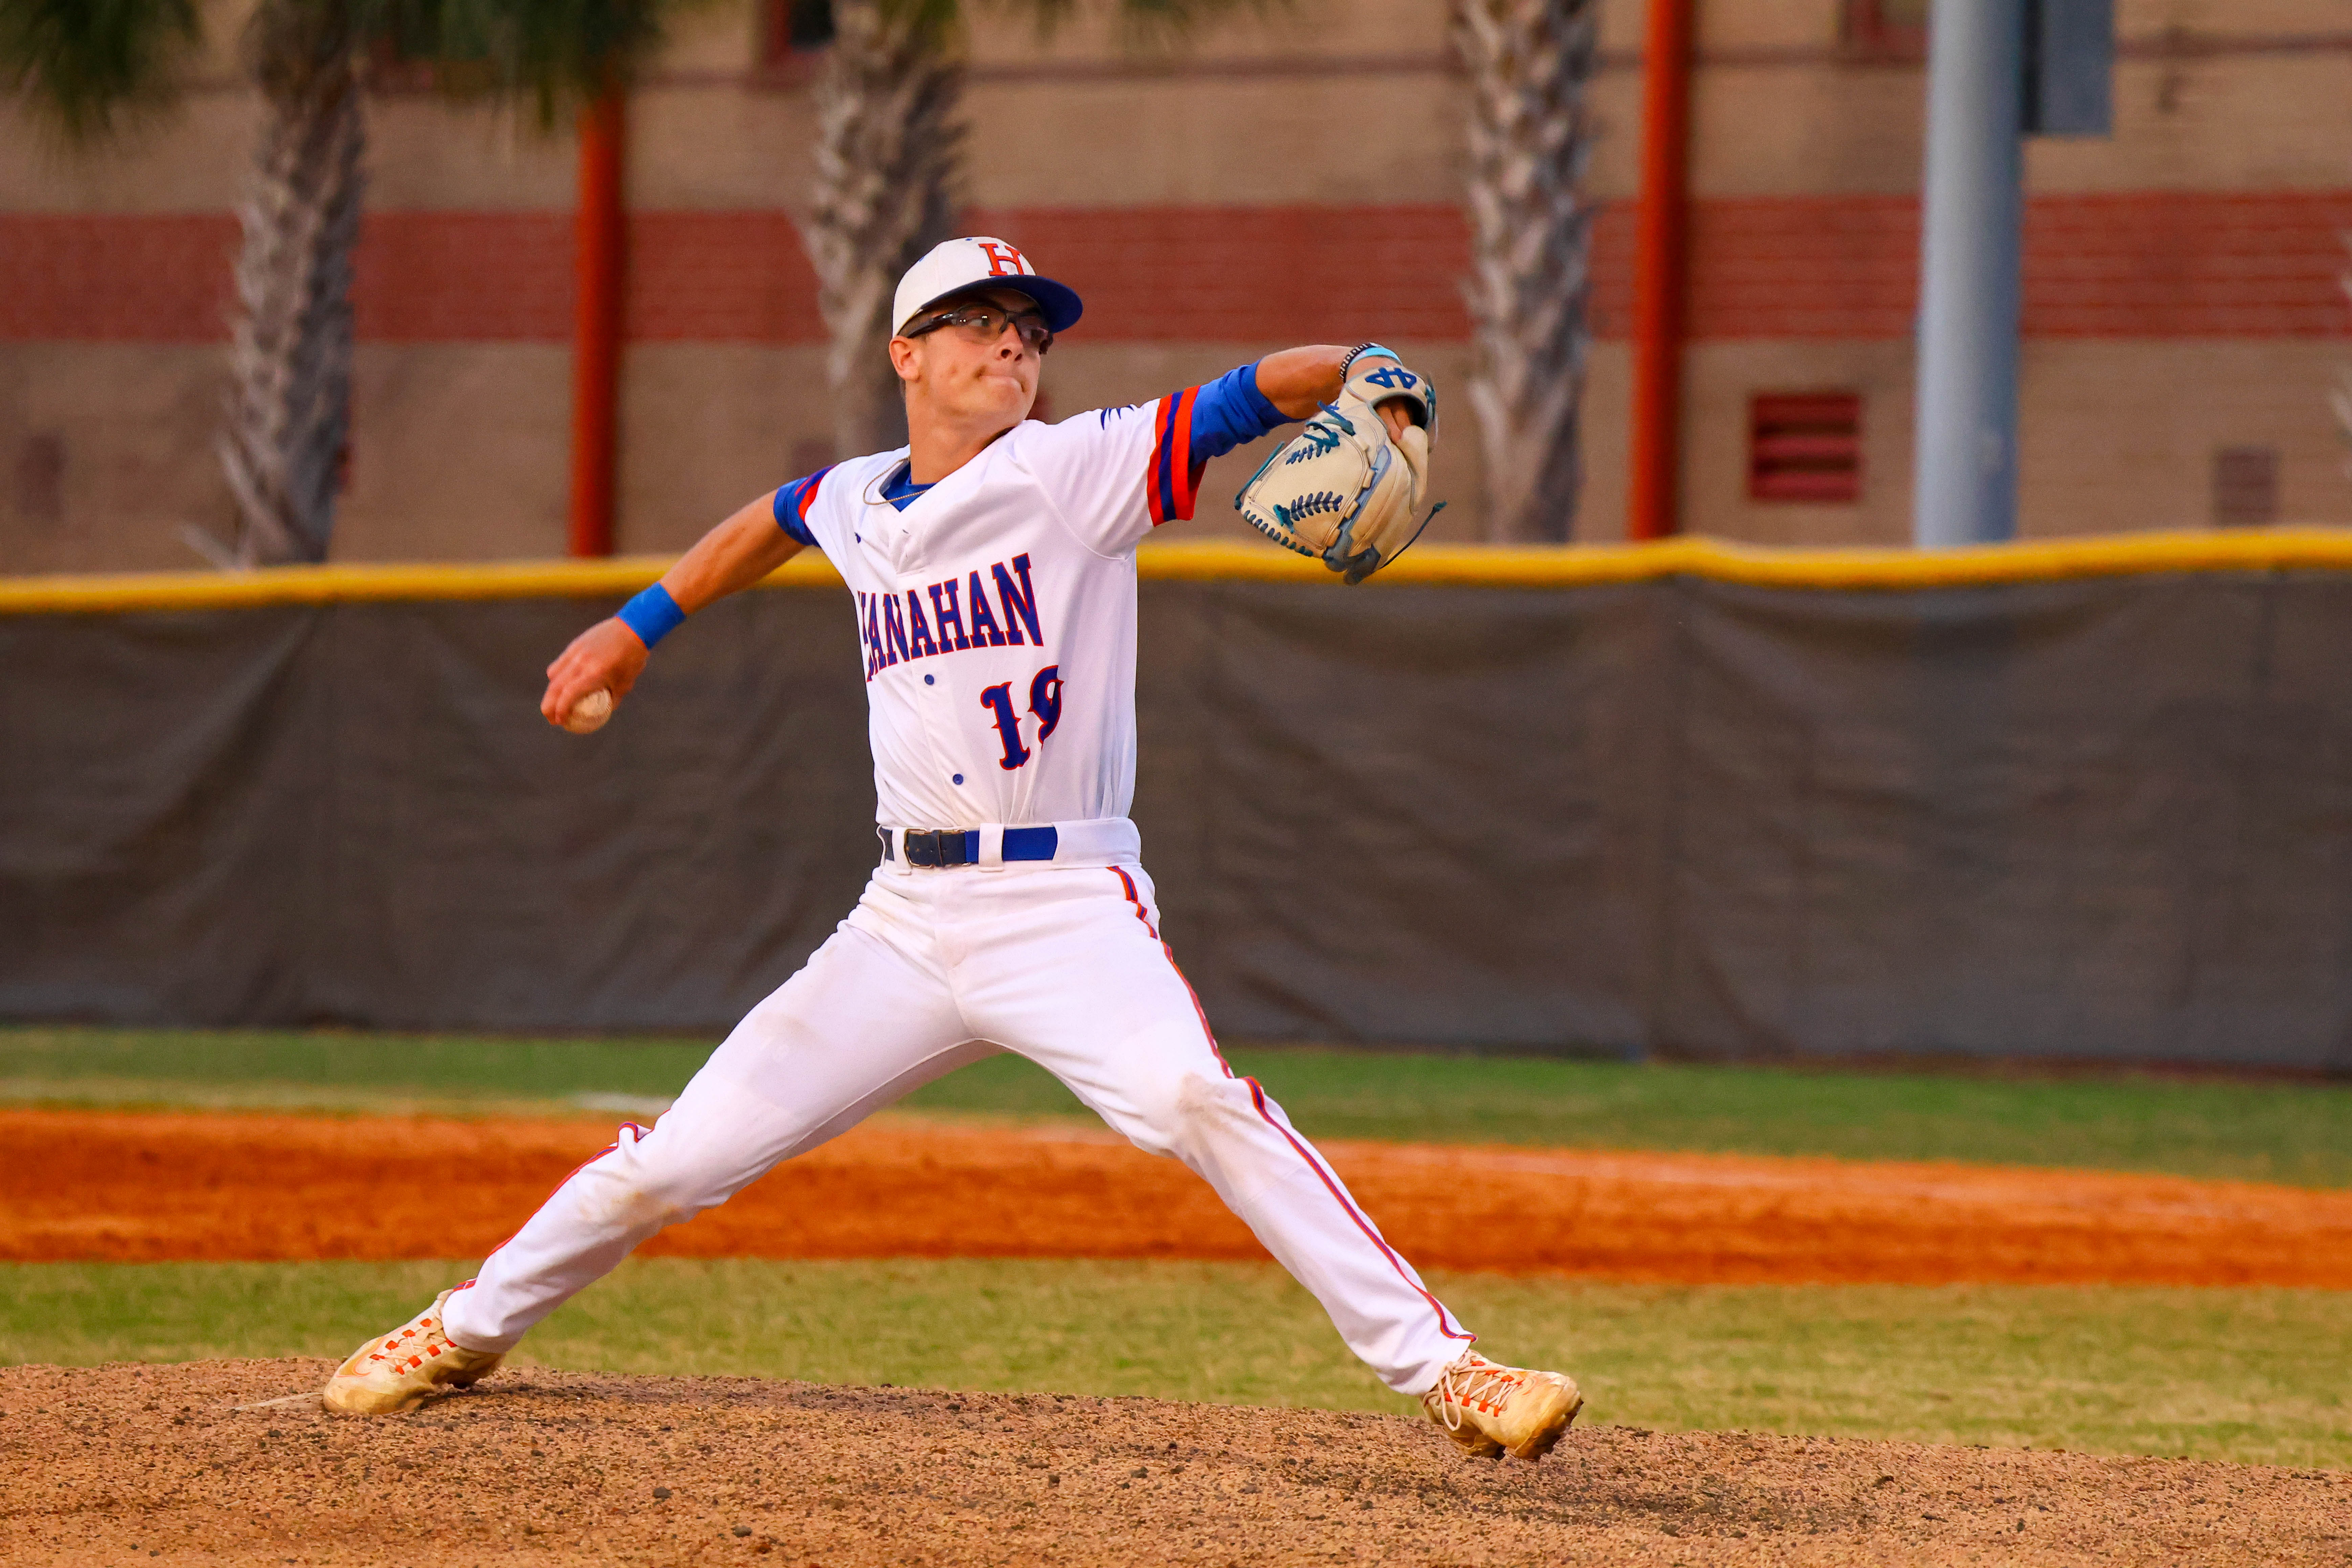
[
  {"x": 888, "y": 152},
  {"x": 93, "y": 64},
  {"x": 1527, "y": 62},
  {"x": 889, "y": 156},
  {"x": 289, "y": 396}
]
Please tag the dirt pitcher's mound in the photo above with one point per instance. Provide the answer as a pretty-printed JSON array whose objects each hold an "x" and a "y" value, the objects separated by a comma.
[
  {"x": 124, "y": 1464},
  {"x": 121, "y": 1187}
]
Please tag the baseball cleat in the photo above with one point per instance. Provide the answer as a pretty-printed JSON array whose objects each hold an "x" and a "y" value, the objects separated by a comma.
[
  {"x": 1492, "y": 1409},
  {"x": 414, "y": 1362}
]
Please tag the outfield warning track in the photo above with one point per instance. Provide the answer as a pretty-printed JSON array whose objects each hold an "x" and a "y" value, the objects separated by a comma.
[{"x": 122, "y": 1186}]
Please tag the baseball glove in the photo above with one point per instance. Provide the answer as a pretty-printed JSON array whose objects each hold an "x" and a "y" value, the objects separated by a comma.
[{"x": 1341, "y": 491}]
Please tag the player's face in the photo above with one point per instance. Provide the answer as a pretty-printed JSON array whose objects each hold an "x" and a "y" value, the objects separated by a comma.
[{"x": 965, "y": 373}]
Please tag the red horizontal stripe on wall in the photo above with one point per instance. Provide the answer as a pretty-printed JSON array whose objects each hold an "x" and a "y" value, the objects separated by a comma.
[
  {"x": 721, "y": 277},
  {"x": 2172, "y": 265},
  {"x": 419, "y": 276},
  {"x": 693, "y": 277},
  {"x": 2151, "y": 264},
  {"x": 464, "y": 277},
  {"x": 167, "y": 278},
  {"x": 1225, "y": 274},
  {"x": 160, "y": 278},
  {"x": 2162, "y": 264},
  {"x": 1803, "y": 267}
]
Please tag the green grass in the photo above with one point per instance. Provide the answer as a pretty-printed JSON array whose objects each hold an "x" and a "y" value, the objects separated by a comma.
[
  {"x": 334, "y": 1070},
  {"x": 2247, "y": 1376},
  {"x": 2296, "y": 1133}
]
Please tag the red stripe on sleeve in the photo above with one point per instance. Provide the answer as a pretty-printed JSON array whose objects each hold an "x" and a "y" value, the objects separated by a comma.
[
  {"x": 1183, "y": 470},
  {"x": 1155, "y": 485}
]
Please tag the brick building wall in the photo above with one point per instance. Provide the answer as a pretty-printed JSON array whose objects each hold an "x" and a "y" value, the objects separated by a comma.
[{"x": 2182, "y": 314}]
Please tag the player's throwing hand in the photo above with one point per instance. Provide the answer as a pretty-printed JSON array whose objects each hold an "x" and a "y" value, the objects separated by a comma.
[{"x": 607, "y": 656}]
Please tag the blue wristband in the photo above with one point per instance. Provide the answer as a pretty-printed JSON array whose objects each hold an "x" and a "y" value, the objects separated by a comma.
[{"x": 652, "y": 615}]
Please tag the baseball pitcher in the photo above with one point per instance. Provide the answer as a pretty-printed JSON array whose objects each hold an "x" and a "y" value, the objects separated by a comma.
[{"x": 991, "y": 563}]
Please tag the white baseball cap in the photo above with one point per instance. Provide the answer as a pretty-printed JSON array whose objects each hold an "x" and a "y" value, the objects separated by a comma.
[{"x": 981, "y": 261}]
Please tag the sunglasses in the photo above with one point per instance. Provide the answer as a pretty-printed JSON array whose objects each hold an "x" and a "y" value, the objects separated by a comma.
[{"x": 986, "y": 323}]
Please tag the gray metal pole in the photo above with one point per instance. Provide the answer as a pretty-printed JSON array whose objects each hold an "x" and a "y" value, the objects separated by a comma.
[{"x": 1964, "y": 475}]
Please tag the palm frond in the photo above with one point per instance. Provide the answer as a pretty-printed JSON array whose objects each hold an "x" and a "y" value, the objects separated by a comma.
[
  {"x": 89, "y": 64},
  {"x": 934, "y": 22},
  {"x": 1170, "y": 21},
  {"x": 1142, "y": 23},
  {"x": 556, "y": 53}
]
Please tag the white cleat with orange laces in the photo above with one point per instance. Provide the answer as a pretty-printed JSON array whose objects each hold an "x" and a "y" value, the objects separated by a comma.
[
  {"x": 1492, "y": 1409},
  {"x": 400, "y": 1370}
]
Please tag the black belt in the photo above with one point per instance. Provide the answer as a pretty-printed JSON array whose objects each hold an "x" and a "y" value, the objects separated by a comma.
[{"x": 960, "y": 845}]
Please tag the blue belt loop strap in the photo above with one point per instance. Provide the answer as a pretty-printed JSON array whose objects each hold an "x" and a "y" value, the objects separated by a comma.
[{"x": 1025, "y": 843}]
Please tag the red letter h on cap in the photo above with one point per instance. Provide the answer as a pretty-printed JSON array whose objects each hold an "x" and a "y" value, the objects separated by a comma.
[{"x": 1003, "y": 261}]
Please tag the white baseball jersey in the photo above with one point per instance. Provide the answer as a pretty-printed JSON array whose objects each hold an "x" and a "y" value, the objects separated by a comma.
[{"x": 997, "y": 613}]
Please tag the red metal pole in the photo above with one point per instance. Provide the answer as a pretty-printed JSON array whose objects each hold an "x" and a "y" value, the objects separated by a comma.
[
  {"x": 1659, "y": 257},
  {"x": 596, "y": 328}
]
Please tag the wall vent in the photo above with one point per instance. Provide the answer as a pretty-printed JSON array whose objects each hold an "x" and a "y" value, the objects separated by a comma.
[
  {"x": 1805, "y": 447},
  {"x": 40, "y": 487},
  {"x": 2245, "y": 487}
]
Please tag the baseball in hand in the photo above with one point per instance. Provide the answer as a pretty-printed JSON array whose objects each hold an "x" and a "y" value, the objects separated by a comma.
[{"x": 588, "y": 714}]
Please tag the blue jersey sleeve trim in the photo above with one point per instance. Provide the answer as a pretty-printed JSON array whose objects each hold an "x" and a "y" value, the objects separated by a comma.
[{"x": 793, "y": 502}]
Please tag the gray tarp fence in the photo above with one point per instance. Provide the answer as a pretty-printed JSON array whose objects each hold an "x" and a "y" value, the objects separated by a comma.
[{"x": 2105, "y": 818}]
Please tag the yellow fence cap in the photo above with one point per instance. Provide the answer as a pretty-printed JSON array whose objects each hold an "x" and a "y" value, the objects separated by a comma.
[{"x": 1544, "y": 566}]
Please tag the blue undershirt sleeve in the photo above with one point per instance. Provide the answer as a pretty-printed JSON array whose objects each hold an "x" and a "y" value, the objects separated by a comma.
[{"x": 1232, "y": 412}]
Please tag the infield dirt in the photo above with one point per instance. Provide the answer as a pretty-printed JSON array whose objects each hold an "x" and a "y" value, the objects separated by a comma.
[
  {"x": 124, "y": 1464},
  {"x": 81, "y": 1185}
]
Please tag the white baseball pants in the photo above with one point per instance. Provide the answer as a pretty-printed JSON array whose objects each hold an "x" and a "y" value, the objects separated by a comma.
[{"x": 935, "y": 969}]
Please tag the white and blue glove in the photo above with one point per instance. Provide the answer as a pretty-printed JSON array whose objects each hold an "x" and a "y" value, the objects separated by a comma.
[{"x": 1342, "y": 491}]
